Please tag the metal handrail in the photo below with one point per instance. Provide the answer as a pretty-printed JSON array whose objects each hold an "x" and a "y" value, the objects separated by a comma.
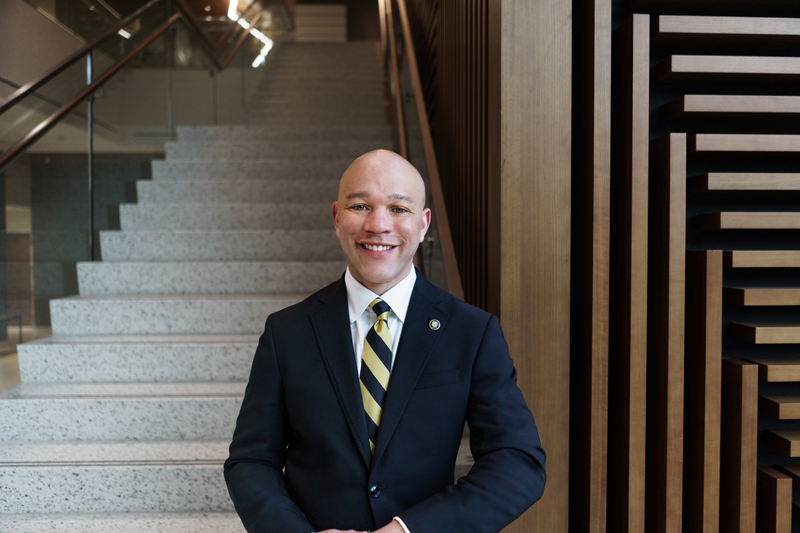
[
  {"x": 437, "y": 194},
  {"x": 46, "y": 125},
  {"x": 28, "y": 88}
]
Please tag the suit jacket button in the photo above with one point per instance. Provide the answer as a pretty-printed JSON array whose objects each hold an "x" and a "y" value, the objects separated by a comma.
[{"x": 374, "y": 491}]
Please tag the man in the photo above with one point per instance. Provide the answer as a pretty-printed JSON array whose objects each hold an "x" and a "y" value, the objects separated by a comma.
[{"x": 361, "y": 391}]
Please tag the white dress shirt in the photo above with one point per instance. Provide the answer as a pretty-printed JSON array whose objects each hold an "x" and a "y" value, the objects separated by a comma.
[{"x": 362, "y": 318}]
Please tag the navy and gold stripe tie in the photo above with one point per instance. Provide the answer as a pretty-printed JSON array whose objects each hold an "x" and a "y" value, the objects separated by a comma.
[{"x": 376, "y": 368}]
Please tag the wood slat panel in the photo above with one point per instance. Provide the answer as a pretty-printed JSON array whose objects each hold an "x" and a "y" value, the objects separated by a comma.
[
  {"x": 739, "y": 106},
  {"x": 780, "y": 406},
  {"x": 762, "y": 259},
  {"x": 777, "y": 369},
  {"x": 722, "y": 142},
  {"x": 773, "y": 501},
  {"x": 665, "y": 332},
  {"x": 628, "y": 301},
  {"x": 687, "y": 29},
  {"x": 732, "y": 181},
  {"x": 703, "y": 398},
  {"x": 738, "y": 433},
  {"x": 767, "y": 333},
  {"x": 749, "y": 220},
  {"x": 727, "y": 69},
  {"x": 535, "y": 179},
  {"x": 590, "y": 354},
  {"x": 786, "y": 441},
  {"x": 761, "y": 296}
]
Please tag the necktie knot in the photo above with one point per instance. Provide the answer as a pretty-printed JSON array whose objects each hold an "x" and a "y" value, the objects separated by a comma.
[{"x": 380, "y": 307}]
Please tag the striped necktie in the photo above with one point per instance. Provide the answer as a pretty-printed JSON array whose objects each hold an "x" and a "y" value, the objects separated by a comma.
[{"x": 376, "y": 367}]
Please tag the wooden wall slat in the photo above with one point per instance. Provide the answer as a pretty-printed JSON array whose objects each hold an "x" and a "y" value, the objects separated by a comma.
[
  {"x": 592, "y": 249},
  {"x": 627, "y": 399},
  {"x": 535, "y": 217},
  {"x": 739, "y": 429},
  {"x": 773, "y": 501},
  {"x": 703, "y": 374},
  {"x": 665, "y": 333}
]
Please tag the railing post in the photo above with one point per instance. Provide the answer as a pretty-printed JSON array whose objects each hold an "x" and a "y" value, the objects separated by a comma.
[{"x": 89, "y": 80}]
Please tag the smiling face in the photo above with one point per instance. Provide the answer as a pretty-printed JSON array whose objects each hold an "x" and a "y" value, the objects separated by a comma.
[{"x": 380, "y": 218}]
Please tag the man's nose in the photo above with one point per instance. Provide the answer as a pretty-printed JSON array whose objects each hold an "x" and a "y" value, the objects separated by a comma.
[{"x": 378, "y": 221}]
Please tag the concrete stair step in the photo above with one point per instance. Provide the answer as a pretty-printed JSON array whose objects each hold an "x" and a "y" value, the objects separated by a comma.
[
  {"x": 144, "y": 359},
  {"x": 193, "y": 150},
  {"x": 285, "y": 132},
  {"x": 253, "y": 169},
  {"x": 119, "y": 411},
  {"x": 183, "y": 191},
  {"x": 217, "y": 522},
  {"x": 165, "y": 315},
  {"x": 112, "y": 477},
  {"x": 242, "y": 245},
  {"x": 218, "y": 277},
  {"x": 138, "y": 217},
  {"x": 315, "y": 118}
]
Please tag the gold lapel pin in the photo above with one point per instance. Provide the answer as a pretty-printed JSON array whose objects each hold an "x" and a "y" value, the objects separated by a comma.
[{"x": 434, "y": 324}]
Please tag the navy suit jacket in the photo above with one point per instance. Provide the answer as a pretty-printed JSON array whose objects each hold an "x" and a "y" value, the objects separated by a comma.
[{"x": 303, "y": 411}]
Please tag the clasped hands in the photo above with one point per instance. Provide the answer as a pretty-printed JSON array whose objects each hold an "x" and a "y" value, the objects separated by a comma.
[{"x": 391, "y": 527}]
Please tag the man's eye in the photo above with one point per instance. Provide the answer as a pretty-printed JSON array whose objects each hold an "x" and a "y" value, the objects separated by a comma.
[
  {"x": 400, "y": 210},
  {"x": 358, "y": 207}
]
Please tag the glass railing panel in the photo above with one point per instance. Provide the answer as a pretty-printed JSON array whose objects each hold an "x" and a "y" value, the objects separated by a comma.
[
  {"x": 32, "y": 110},
  {"x": 46, "y": 221}
]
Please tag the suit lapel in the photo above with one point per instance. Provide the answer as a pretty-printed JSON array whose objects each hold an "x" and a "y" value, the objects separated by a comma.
[
  {"x": 417, "y": 341},
  {"x": 332, "y": 328}
]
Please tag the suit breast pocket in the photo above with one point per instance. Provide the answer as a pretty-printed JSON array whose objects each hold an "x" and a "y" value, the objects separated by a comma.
[{"x": 437, "y": 379}]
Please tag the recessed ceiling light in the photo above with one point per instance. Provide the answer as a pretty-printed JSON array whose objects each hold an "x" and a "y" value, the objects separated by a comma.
[{"x": 208, "y": 8}]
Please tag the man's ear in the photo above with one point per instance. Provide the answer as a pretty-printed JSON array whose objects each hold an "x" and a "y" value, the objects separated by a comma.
[
  {"x": 335, "y": 214},
  {"x": 426, "y": 223}
]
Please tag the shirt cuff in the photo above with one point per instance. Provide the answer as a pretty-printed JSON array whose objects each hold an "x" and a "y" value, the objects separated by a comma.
[{"x": 402, "y": 524}]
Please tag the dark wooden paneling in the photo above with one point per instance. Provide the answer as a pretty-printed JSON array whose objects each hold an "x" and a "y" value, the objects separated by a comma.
[
  {"x": 738, "y": 449},
  {"x": 703, "y": 378},
  {"x": 774, "y": 497},
  {"x": 628, "y": 301},
  {"x": 592, "y": 250},
  {"x": 665, "y": 332}
]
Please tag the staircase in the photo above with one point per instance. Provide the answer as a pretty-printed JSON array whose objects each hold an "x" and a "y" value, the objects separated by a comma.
[{"x": 124, "y": 415}]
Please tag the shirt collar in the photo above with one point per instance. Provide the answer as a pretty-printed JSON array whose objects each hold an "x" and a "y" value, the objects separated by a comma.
[{"x": 359, "y": 297}]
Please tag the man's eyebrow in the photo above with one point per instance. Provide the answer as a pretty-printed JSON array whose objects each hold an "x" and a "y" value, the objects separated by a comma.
[
  {"x": 353, "y": 195},
  {"x": 397, "y": 197}
]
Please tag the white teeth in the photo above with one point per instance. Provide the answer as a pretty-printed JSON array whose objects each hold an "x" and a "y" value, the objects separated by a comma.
[{"x": 376, "y": 248}]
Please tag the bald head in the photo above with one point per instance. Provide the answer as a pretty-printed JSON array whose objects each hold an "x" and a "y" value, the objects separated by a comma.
[{"x": 382, "y": 166}]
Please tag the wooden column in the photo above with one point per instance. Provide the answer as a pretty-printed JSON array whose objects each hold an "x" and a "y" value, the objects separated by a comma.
[
  {"x": 627, "y": 401},
  {"x": 534, "y": 174},
  {"x": 774, "y": 501},
  {"x": 703, "y": 364},
  {"x": 665, "y": 342},
  {"x": 589, "y": 439},
  {"x": 739, "y": 430}
]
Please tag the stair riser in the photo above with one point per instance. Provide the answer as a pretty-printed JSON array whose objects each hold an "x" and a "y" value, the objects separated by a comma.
[
  {"x": 122, "y": 523},
  {"x": 114, "y": 419},
  {"x": 252, "y": 150},
  {"x": 220, "y": 246},
  {"x": 256, "y": 169},
  {"x": 250, "y": 133},
  {"x": 122, "y": 363},
  {"x": 120, "y": 489},
  {"x": 238, "y": 192},
  {"x": 72, "y": 316},
  {"x": 206, "y": 278},
  {"x": 226, "y": 217}
]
